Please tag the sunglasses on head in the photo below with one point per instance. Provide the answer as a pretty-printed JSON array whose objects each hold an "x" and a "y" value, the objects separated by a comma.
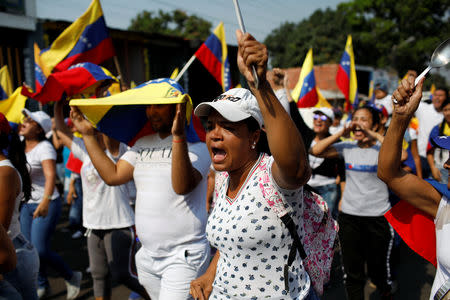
[{"x": 322, "y": 117}]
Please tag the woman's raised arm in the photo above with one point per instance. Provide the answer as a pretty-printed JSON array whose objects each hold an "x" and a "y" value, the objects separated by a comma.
[{"x": 291, "y": 169}]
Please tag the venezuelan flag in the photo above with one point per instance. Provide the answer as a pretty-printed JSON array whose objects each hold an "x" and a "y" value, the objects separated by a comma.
[
  {"x": 5, "y": 83},
  {"x": 85, "y": 40},
  {"x": 13, "y": 106},
  {"x": 123, "y": 116},
  {"x": 416, "y": 229},
  {"x": 346, "y": 76},
  {"x": 213, "y": 54},
  {"x": 323, "y": 102},
  {"x": 305, "y": 92},
  {"x": 39, "y": 69},
  {"x": 78, "y": 79}
]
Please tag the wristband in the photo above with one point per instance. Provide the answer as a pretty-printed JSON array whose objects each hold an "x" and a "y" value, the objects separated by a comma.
[
  {"x": 178, "y": 141},
  {"x": 46, "y": 197}
]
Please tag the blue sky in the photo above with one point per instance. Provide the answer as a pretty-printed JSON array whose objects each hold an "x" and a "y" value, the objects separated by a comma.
[{"x": 260, "y": 16}]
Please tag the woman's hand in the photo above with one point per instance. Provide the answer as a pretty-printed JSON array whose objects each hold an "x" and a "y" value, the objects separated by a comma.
[
  {"x": 72, "y": 193},
  {"x": 41, "y": 210},
  {"x": 436, "y": 174},
  {"x": 347, "y": 129},
  {"x": 179, "y": 121},
  {"x": 82, "y": 125},
  {"x": 370, "y": 134},
  {"x": 406, "y": 97},
  {"x": 251, "y": 53},
  {"x": 201, "y": 287}
]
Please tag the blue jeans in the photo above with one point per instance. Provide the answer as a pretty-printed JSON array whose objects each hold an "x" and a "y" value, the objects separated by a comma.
[
  {"x": 39, "y": 231},
  {"x": 24, "y": 276},
  {"x": 444, "y": 175},
  {"x": 76, "y": 209},
  {"x": 329, "y": 193}
]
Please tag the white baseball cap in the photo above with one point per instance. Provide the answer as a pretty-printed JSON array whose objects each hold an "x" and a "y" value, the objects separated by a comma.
[
  {"x": 41, "y": 118},
  {"x": 326, "y": 111},
  {"x": 234, "y": 105}
]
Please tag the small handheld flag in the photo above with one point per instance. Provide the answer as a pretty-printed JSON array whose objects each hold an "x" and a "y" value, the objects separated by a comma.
[
  {"x": 213, "y": 54},
  {"x": 346, "y": 76},
  {"x": 78, "y": 79},
  {"x": 85, "y": 40},
  {"x": 305, "y": 92}
]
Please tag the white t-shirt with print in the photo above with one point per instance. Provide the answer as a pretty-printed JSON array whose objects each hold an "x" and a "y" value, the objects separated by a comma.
[
  {"x": 166, "y": 221},
  {"x": 104, "y": 206},
  {"x": 42, "y": 151},
  {"x": 442, "y": 222},
  {"x": 254, "y": 244},
  {"x": 428, "y": 118},
  {"x": 364, "y": 194}
]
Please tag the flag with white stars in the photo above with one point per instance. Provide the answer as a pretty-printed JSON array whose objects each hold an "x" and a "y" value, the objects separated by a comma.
[{"x": 346, "y": 76}]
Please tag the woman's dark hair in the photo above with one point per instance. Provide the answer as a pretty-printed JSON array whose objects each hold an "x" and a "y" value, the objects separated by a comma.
[
  {"x": 263, "y": 144},
  {"x": 442, "y": 125},
  {"x": 16, "y": 154},
  {"x": 42, "y": 136},
  {"x": 373, "y": 112}
]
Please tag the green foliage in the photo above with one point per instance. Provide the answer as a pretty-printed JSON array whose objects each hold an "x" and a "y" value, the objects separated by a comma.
[
  {"x": 176, "y": 23},
  {"x": 401, "y": 34}
]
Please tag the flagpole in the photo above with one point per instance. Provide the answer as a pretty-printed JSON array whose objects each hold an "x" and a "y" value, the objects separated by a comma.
[
  {"x": 116, "y": 63},
  {"x": 186, "y": 66},
  {"x": 242, "y": 27}
]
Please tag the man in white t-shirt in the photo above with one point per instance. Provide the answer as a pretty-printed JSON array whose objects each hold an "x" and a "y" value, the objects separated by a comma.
[
  {"x": 429, "y": 115},
  {"x": 170, "y": 174}
]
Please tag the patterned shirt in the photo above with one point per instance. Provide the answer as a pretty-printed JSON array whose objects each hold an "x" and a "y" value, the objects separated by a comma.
[{"x": 253, "y": 242}]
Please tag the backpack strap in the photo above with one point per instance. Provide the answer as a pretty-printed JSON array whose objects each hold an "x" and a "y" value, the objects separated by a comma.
[
  {"x": 296, "y": 246},
  {"x": 276, "y": 204}
]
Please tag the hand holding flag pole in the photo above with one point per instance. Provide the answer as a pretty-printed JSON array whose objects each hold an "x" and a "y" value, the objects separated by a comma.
[{"x": 242, "y": 27}]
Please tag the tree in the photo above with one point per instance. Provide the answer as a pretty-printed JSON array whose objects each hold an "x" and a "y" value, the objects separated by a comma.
[
  {"x": 176, "y": 23},
  {"x": 401, "y": 34}
]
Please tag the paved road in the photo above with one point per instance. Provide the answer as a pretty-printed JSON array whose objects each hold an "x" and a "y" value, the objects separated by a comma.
[{"x": 414, "y": 274}]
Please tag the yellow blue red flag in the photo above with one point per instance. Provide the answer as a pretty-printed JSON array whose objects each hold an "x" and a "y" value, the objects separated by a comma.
[
  {"x": 40, "y": 70},
  {"x": 85, "y": 40},
  {"x": 305, "y": 92},
  {"x": 123, "y": 116},
  {"x": 5, "y": 83},
  {"x": 346, "y": 76},
  {"x": 323, "y": 102},
  {"x": 13, "y": 106},
  {"x": 213, "y": 54},
  {"x": 78, "y": 79}
]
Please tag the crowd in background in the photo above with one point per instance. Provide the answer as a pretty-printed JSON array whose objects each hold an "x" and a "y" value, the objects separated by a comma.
[{"x": 174, "y": 199}]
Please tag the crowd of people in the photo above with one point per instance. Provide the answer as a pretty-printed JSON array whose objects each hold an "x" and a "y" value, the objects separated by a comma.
[{"x": 225, "y": 218}]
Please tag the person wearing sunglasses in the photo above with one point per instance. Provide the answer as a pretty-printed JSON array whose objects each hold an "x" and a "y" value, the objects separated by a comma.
[{"x": 326, "y": 172}]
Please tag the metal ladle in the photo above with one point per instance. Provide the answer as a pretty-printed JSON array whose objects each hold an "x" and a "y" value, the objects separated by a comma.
[{"x": 440, "y": 57}]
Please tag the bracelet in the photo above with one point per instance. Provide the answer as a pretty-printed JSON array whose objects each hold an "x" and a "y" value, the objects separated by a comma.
[
  {"x": 178, "y": 141},
  {"x": 46, "y": 197}
]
